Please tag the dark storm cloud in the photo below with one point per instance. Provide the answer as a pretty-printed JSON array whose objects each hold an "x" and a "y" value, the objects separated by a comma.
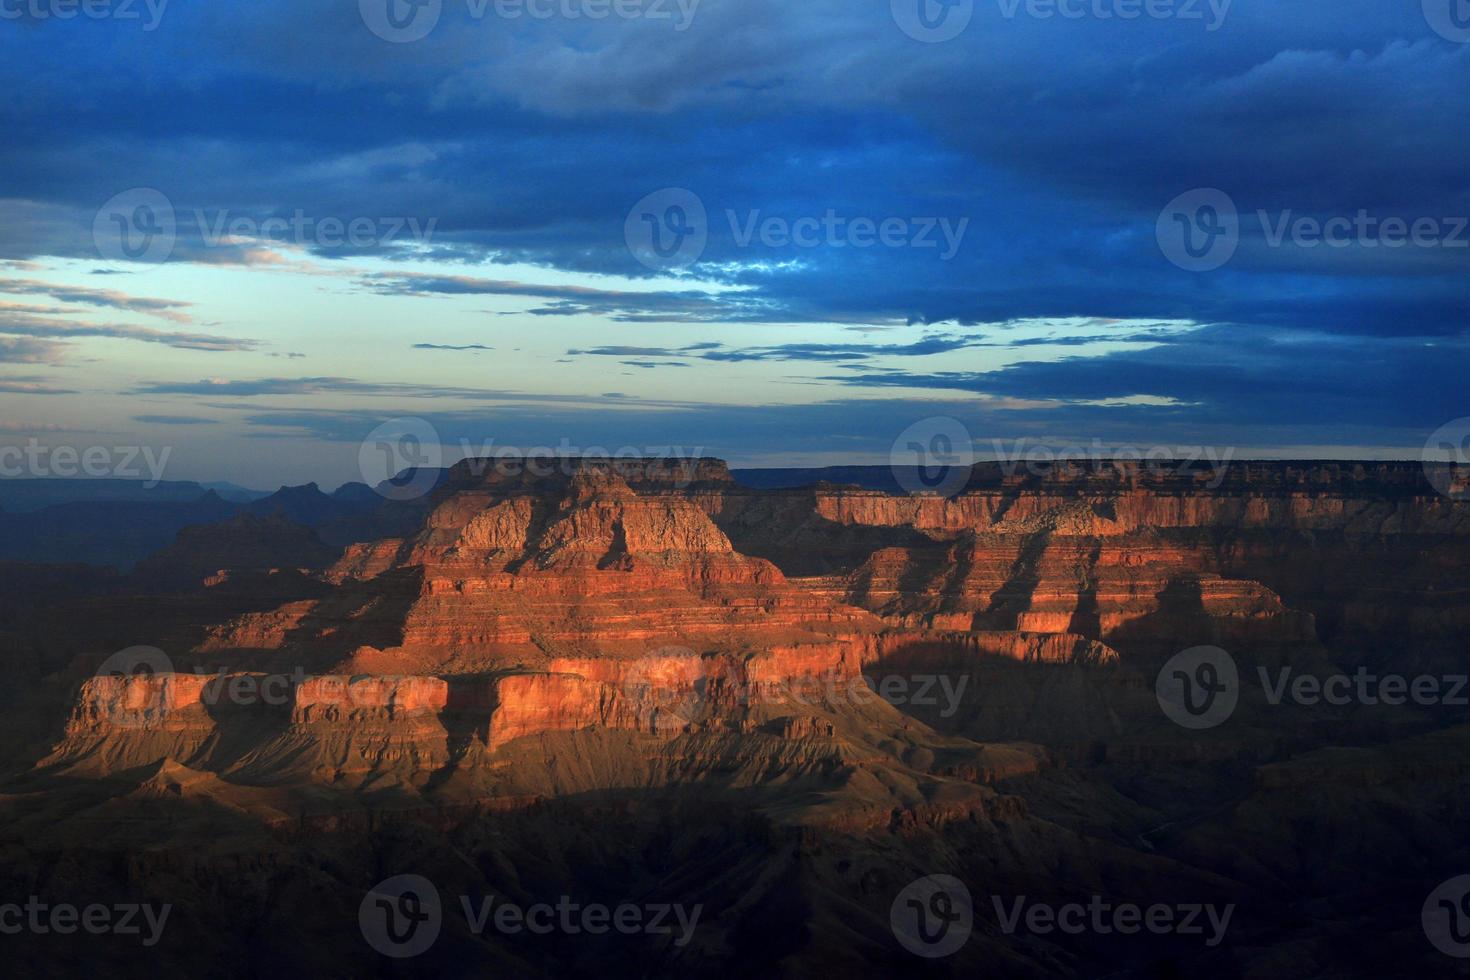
[
  {"x": 1058, "y": 140},
  {"x": 1237, "y": 375}
]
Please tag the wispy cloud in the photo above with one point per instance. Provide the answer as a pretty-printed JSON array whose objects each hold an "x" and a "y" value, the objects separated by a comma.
[
  {"x": 711, "y": 351},
  {"x": 165, "y": 309},
  {"x": 30, "y": 325},
  {"x": 327, "y": 386},
  {"x": 32, "y": 386},
  {"x": 622, "y": 305},
  {"x": 29, "y": 350}
]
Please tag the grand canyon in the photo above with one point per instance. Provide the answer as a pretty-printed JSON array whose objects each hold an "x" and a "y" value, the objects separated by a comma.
[
  {"x": 770, "y": 714},
  {"x": 735, "y": 489}
]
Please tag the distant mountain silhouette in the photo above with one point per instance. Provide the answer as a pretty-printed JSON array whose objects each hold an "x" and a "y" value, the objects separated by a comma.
[
  {"x": 26, "y": 496},
  {"x": 121, "y": 522}
]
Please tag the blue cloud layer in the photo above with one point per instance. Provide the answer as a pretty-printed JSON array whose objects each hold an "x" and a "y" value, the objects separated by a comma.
[{"x": 1057, "y": 141}]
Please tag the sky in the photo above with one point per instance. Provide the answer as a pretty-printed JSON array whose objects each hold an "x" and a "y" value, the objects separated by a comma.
[{"x": 260, "y": 236}]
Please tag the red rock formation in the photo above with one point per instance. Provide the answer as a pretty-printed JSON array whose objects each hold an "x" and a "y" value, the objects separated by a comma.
[
  {"x": 600, "y": 595},
  {"x": 143, "y": 701},
  {"x": 510, "y": 570},
  {"x": 1134, "y": 591},
  {"x": 121, "y": 722},
  {"x": 594, "y": 668},
  {"x": 935, "y": 650},
  {"x": 1142, "y": 558},
  {"x": 356, "y": 731},
  {"x": 346, "y": 699}
]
